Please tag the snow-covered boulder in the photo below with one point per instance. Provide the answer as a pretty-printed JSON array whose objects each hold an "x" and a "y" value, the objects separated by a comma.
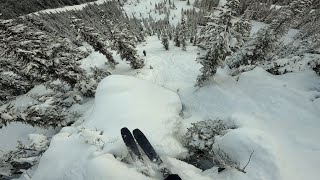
[{"x": 86, "y": 151}]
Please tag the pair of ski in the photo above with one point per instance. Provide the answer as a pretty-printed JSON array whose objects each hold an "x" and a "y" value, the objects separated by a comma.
[{"x": 130, "y": 141}]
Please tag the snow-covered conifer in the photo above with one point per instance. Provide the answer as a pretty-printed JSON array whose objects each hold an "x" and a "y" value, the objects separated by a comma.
[
  {"x": 183, "y": 34},
  {"x": 300, "y": 8},
  {"x": 25, "y": 155},
  {"x": 212, "y": 58},
  {"x": 165, "y": 41},
  {"x": 281, "y": 23},
  {"x": 88, "y": 35},
  {"x": 124, "y": 43},
  {"x": 200, "y": 141},
  {"x": 176, "y": 37},
  {"x": 242, "y": 29},
  {"x": 36, "y": 57},
  {"x": 257, "y": 50},
  {"x": 217, "y": 41}
]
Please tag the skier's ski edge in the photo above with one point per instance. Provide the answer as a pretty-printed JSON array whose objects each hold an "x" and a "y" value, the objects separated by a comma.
[{"x": 130, "y": 142}]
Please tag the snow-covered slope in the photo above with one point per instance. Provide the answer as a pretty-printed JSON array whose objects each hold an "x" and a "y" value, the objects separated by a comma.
[
  {"x": 85, "y": 152},
  {"x": 145, "y": 9},
  {"x": 280, "y": 112},
  {"x": 277, "y": 116}
]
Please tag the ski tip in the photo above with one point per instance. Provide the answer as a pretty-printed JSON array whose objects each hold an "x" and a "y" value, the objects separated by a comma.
[
  {"x": 124, "y": 129},
  {"x": 135, "y": 131},
  {"x": 220, "y": 169}
]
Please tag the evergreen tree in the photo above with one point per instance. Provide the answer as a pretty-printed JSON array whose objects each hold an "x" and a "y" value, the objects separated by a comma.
[
  {"x": 34, "y": 57},
  {"x": 124, "y": 43},
  {"x": 257, "y": 50},
  {"x": 280, "y": 25},
  {"x": 176, "y": 37},
  {"x": 261, "y": 49},
  {"x": 214, "y": 42},
  {"x": 258, "y": 11},
  {"x": 299, "y": 9},
  {"x": 207, "y": 5},
  {"x": 212, "y": 58},
  {"x": 88, "y": 35},
  {"x": 165, "y": 41},
  {"x": 218, "y": 39},
  {"x": 183, "y": 34},
  {"x": 241, "y": 31}
]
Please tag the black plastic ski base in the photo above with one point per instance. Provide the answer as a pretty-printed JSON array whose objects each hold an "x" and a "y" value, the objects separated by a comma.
[
  {"x": 131, "y": 144},
  {"x": 150, "y": 152},
  {"x": 147, "y": 147}
]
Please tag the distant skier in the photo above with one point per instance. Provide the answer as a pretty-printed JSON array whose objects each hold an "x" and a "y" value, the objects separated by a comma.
[{"x": 144, "y": 52}]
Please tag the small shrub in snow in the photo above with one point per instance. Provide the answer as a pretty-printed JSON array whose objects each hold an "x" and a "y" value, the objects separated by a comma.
[
  {"x": 25, "y": 155},
  {"x": 315, "y": 65},
  {"x": 49, "y": 110},
  {"x": 201, "y": 134},
  {"x": 200, "y": 142},
  {"x": 200, "y": 138},
  {"x": 88, "y": 85},
  {"x": 223, "y": 160},
  {"x": 92, "y": 137}
]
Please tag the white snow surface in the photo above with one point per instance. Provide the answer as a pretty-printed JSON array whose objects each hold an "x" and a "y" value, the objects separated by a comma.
[
  {"x": 144, "y": 8},
  {"x": 277, "y": 118},
  {"x": 10, "y": 134},
  {"x": 121, "y": 101}
]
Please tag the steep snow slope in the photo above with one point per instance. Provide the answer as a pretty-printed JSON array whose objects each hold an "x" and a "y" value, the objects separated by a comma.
[
  {"x": 283, "y": 108},
  {"x": 145, "y": 9},
  {"x": 85, "y": 152},
  {"x": 278, "y": 118}
]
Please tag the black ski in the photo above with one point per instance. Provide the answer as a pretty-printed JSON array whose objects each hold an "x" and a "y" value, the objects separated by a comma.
[
  {"x": 131, "y": 144},
  {"x": 150, "y": 152}
]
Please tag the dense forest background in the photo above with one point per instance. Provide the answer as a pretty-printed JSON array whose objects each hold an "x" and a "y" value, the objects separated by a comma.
[
  {"x": 47, "y": 49},
  {"x": 14, "y": 8}
]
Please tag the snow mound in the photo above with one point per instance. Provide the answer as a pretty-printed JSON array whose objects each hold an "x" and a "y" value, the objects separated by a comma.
[
  {"x": 240, "y": 143},
  {"x": 86, "y": 151},
  {"x": 280, "y": 114}
]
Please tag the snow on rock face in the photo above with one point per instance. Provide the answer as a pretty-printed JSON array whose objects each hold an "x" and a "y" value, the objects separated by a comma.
[{"x": 85, "y": 152}]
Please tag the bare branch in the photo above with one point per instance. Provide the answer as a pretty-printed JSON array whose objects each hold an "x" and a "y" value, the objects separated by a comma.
[{"x": 242, "y": 170}]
